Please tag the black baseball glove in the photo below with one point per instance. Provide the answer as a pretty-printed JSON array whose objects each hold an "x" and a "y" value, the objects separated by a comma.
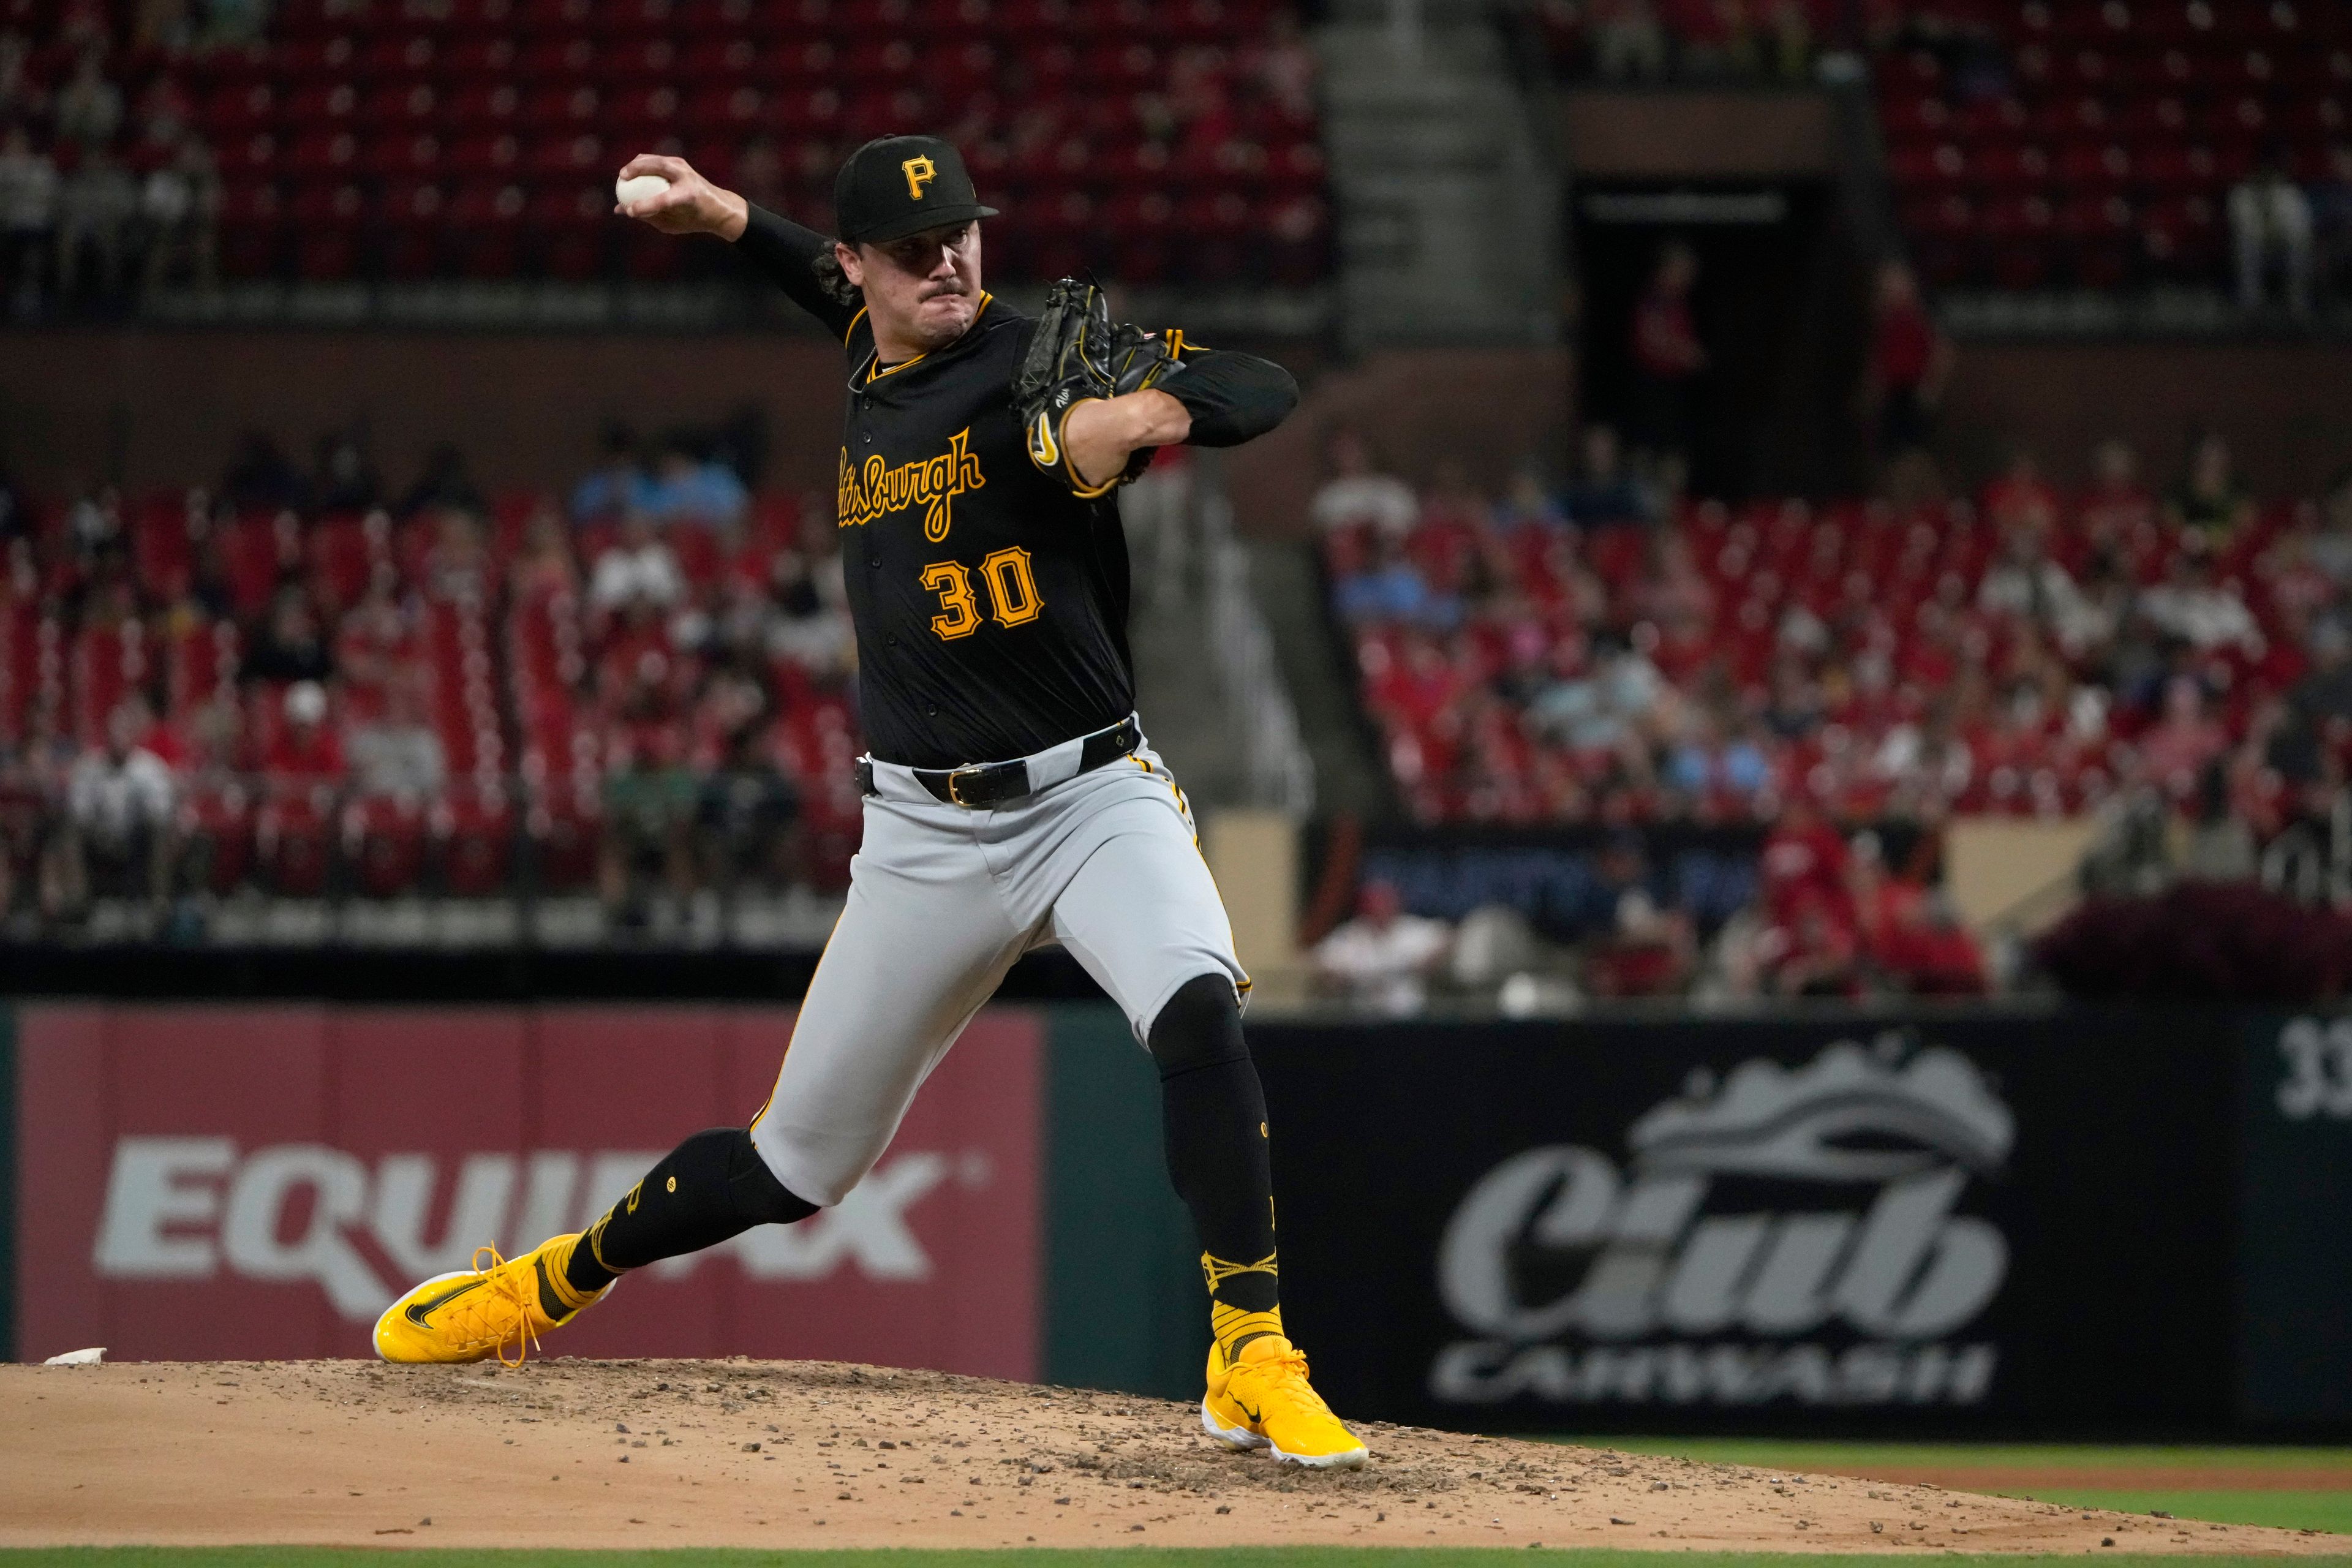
[{"x": 1075, "y": 354}]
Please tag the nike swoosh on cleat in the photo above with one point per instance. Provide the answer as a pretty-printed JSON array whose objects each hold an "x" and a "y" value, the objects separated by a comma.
[
  {"x": 1255, "y": 1419},
  {"x": 417, "y": 1312}
]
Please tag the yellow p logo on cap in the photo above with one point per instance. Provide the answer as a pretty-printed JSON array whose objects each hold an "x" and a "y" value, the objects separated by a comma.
[{"x": 920, "y": 173}]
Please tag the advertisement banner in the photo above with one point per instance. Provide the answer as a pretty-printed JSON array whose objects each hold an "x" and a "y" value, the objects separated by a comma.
[
  {"x": 245, "y": 1181},
  {"x": 2295, "y": 1261},
  {"x": 1937, "y": 1223}
]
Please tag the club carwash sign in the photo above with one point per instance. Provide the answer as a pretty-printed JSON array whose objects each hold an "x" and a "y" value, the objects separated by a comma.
[{"x": 1786, "y": 1234}]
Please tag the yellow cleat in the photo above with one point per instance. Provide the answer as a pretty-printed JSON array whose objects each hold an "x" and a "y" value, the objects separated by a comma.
[
  {"x": 1263, "y": 1400},
  {"x": 478, "y": 1312}
]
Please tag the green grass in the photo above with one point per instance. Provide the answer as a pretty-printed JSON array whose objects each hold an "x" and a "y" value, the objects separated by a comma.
[
  {"x": 2288, "y": 1511},
  {"x": 1767, "y": 1453},
  {"x": 2329, "y": 1511},
  {"x": 1124, "y": 1557}
]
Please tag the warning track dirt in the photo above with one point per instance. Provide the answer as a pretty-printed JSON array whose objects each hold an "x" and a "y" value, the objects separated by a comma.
[{"x": 780, "y": 1454}]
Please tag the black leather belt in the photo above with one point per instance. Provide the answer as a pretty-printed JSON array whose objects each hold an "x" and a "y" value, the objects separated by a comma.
[{"x": 993, "y": 783}]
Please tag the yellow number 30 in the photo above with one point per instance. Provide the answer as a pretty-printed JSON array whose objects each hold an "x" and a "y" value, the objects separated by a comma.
[{"x": 1011, "y": 593}]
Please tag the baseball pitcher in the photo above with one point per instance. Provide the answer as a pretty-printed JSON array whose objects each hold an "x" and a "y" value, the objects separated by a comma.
[{"x": 1011, "y": 800}]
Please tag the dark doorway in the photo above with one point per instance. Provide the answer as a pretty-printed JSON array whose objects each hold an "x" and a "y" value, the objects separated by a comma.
[{"x": 1777, "y": 307}]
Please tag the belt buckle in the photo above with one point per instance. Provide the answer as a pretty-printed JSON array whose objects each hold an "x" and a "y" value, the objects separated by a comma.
[{"x": 956, "y": 795}]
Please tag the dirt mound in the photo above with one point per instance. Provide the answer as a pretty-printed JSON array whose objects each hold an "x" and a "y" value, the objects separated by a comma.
[{"x": 740, "y": 1453}]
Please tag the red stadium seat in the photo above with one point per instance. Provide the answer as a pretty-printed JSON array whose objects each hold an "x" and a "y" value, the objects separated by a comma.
[{"x": 473, "y": 833}]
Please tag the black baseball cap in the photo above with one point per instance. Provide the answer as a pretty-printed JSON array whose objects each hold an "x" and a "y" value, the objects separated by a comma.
[{"x": 898, "y": 185}]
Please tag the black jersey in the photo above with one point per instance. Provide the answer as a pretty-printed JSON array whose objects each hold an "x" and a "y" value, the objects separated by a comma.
[{"x": 990, "y": 602}]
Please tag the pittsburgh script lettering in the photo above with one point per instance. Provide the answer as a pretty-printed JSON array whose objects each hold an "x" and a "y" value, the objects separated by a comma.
[{"x": 873, "y": 491}]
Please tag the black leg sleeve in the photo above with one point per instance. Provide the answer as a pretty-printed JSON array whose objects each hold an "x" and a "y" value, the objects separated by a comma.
[
  {"x": 712, "y": 1187},
  {"x": 1213, "y": 1116}
]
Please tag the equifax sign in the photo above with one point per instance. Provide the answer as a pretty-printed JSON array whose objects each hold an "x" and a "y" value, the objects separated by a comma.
[{"x": 198, "y": 1208}]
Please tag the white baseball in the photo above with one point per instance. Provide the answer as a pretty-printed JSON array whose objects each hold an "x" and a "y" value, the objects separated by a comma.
[{"x": 638, "y": 187}]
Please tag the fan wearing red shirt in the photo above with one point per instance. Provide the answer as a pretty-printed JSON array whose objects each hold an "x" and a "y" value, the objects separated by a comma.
[
  {"x": 1909, "y": 360},
  {"x": 1668, "y": 355},
  {"x": 306, "y": 749}
]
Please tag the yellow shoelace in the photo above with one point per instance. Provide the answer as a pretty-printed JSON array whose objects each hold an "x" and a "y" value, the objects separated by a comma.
[
  {"x": 1288, "y": 1371},
  {"x": 507, "y": 1285}
]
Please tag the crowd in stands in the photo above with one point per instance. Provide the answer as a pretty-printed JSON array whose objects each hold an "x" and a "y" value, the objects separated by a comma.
[
  {"x": 1721, "y": 42},
  {"x": 2126, "y": 143},
  {"x": 1603, "y": 653},
  {"x": 1827, "y": 912},
  {"x": 304, "y": 681},
  {"x": 107, "y": 186},
  {"x": 174, "y": 139}
]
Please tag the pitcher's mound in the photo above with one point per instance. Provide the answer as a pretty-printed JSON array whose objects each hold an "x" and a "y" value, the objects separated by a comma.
[{"x": 780, "y": 1454}]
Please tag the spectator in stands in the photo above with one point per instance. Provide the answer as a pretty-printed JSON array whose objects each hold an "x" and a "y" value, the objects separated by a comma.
[
  {"x": 2177, "y": 749},
  {"x": 1356, "y": 494},
  {"x": 306, "y": 749},
  {"x": 179, "y": 214},
  {"x": 2330, "y": 549},
  {"x": 1909, "y": 930},
  {"x": 2190, "y": 605},
  {"x": 1910, "y": 359},
  {"x": 162, "y": 25},
  {"x": 2331, "y": 221},
  {"x": 346, "y": 479},
  {"x": 97, "y": 205},
  {"x": 1529, "y": 502},
  {"x": 22, "y": 102},
  {"x": 1718, "y": 762},
  {"x": 638, "y": 568},
  {"x": 1629, "y": 41},
  {"x": 2306, "y": 747},
  {"x": 399, "y": 753},
  {"x": 1789, "y": 43},
  {"x": 807, "y": 614},
  {"x": 261, "y": 478},
  {"x": 1394, "y": 590},
  {"x": 1610, "y": 706},
  {"x": 2117, "y": 512},
  {"x": 2271, "y": 229},
  {"x": 291, "y": 647},
  {"x": 375, "y": 646},
  {"x": 744, "y": 817},
  {"x": 760, "y": 175},
  {"x": 2020, "y": 497},
  {"x": 162, "y": 116},
  {"x": 2026, "y": 584},
  {"x": 119, "y": 798},
  {"x": 28, "y": 213},
  {"x": 697, "y": 491},
  {"x": 459, "y": 568},
  {"x": 650, "y": 796},
  {"x": 1815, "y": 953},
  {"x": 1603, "y": 491},
  {"x": 1284, "y": 63},
  {"x": 228, "y": 22},
  {"x": 1383, "y": 959},
  {"x": 2208, "y": 501},
  {"x": 89, "y": 107},
  {"x": 1726, "y": 46},
  {"x": 1668, "y": 358},
  {"x": 617, "y": 484},
  {"x": 544, "y": 567},
  {"x": 1647, "y": 948},
  {"x": 446, "y": 482}
]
